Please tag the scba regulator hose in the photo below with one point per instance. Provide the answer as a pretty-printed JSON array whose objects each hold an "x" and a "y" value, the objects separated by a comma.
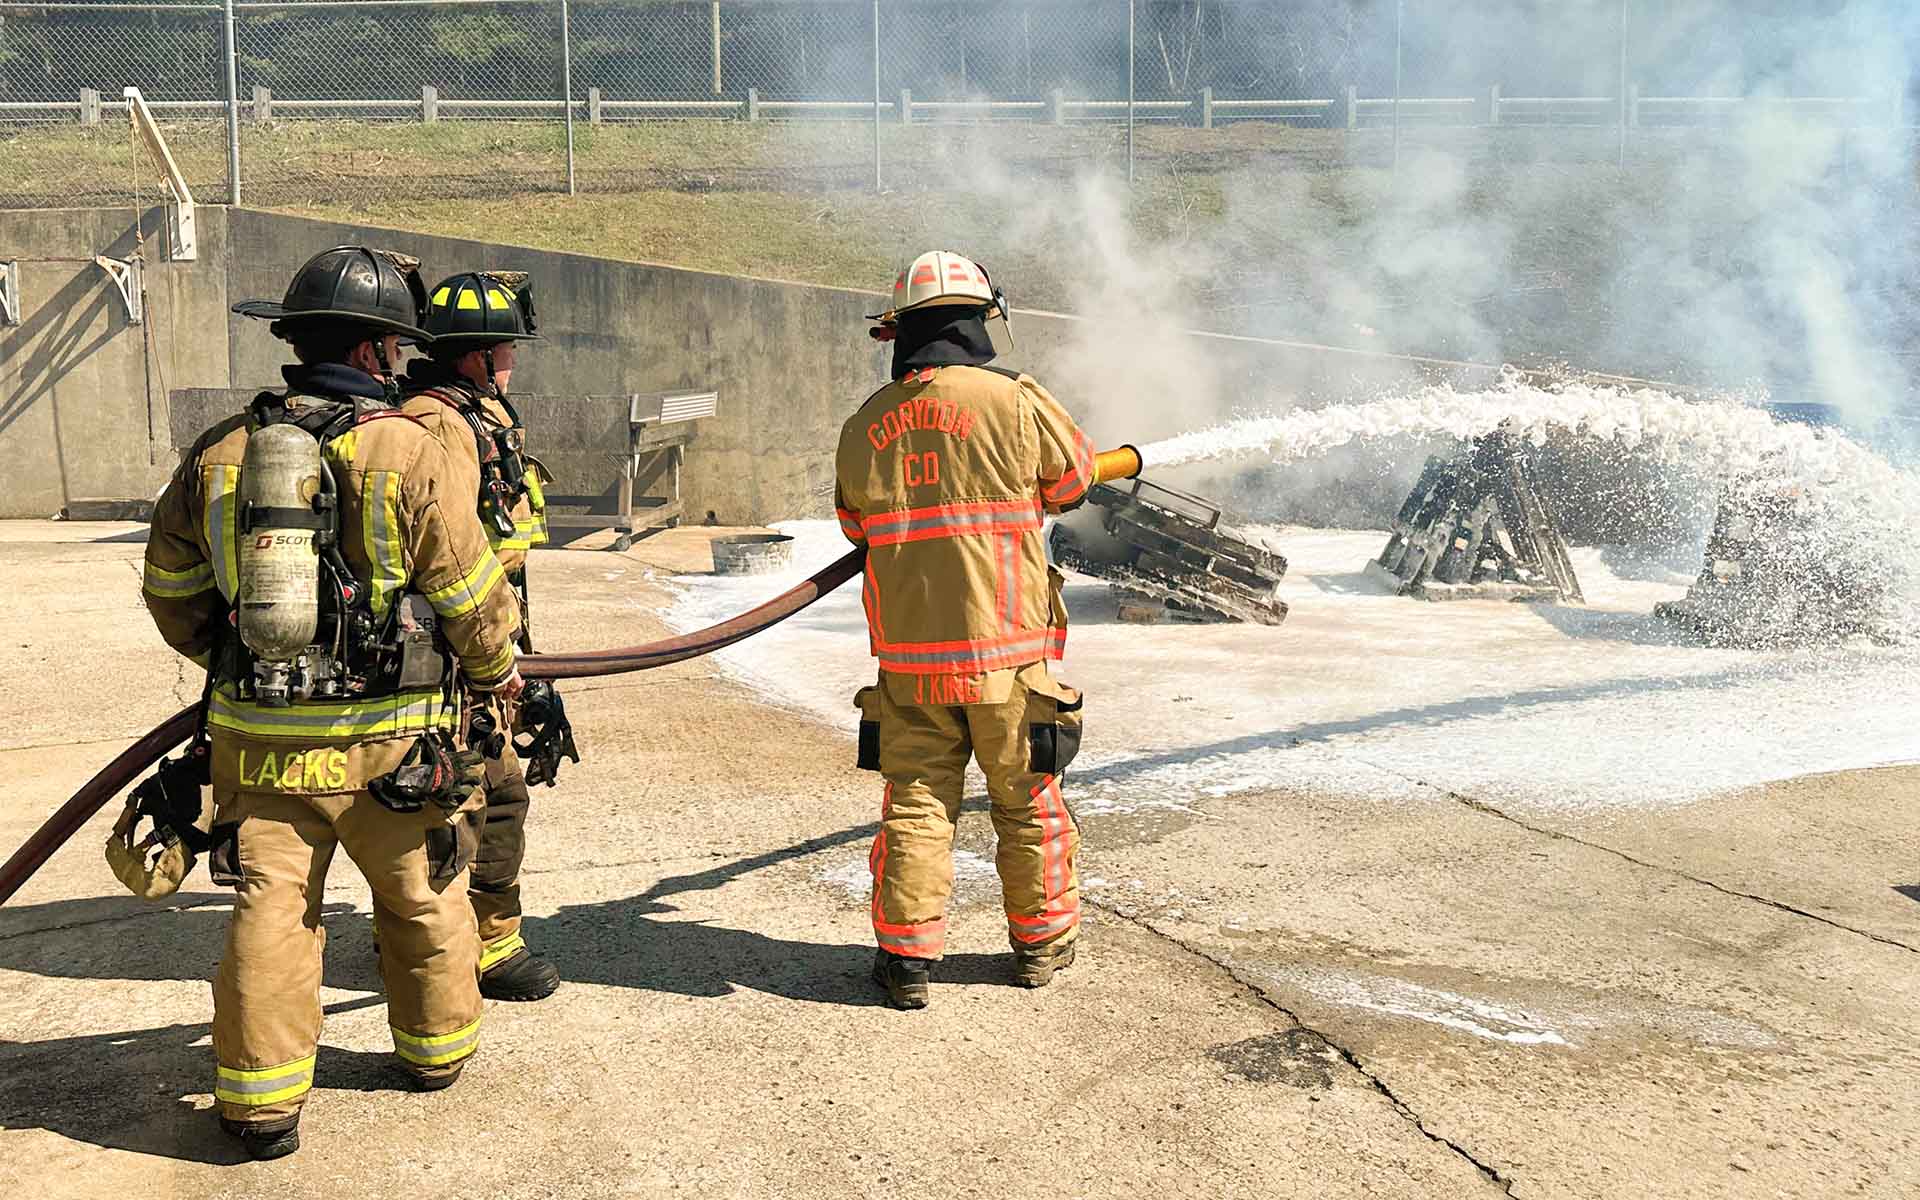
[{"x": 119, "y": 775}]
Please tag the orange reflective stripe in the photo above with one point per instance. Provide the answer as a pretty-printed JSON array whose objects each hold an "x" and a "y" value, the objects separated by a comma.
[
  {"x": 850, "y": 524},
  {"x": 952, "y": 520},
  {"x": 1072, "y": 485}
]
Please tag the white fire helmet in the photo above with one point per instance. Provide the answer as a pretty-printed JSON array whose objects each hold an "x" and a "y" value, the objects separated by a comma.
[{"x": 941, "y": 277}]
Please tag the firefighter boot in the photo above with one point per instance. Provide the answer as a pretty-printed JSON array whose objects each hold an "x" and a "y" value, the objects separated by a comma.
[
  {"x": 275, "y": 1139},
  {"x": 520, "y": 976},
  {"x": 904, "y": 978},
  {"x": 1034, "y": 968}
]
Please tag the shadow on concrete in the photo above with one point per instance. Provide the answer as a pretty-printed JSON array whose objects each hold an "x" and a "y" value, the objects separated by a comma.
[
  {"x": 636, "y": 942},
  {"x": 101, "y": 1088},
  {"x": 1910, "y": 890},
  {"x": 633, "y": 942}
]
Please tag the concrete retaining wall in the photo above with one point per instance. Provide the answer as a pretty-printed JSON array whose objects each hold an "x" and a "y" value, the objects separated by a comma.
[
  {"x": 82, "y": 391},
  {"x": 790, "y": 361}
]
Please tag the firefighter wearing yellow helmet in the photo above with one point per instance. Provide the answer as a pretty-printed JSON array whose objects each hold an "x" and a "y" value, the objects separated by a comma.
[
  {"x": 945, "y": 476},
  {"x": 477, "y": 320},
  {"x": 345, "y": 614}
]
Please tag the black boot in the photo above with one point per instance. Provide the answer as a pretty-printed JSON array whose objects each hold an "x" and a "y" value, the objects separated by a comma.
[
  {"x": 1035, "y": 968},
  {"x": 521, "y": 976},
  {"x": 904, "y": 978},
  {"x": 275, "y": 1139}
]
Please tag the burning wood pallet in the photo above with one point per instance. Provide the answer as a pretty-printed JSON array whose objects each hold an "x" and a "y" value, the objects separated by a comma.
[
  {"x": 1174, "y": 556},
  {"x": 1476, "y": 527}
]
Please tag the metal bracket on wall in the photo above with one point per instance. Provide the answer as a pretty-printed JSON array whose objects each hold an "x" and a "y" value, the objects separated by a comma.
[
  {"x": 125, "y": 273},
  {"x": 10, "y": 292}
]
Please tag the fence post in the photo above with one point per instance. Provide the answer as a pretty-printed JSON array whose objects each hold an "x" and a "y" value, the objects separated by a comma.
[
  {"x": 1493, "y": 105},
  {"x": 1399, "y": 21},
  {"x": 429, "y": 103},
  {"x": 876, "y": 95},
  {"x": 1633, "y": 106},
  {"x": 1206, "y": 108},
  {"x": 593, "y": 106},
  {"x": 1353, "y": 106},
  {"x": 753, "y": 104},
  {"x": 262, "y": 104},
  {"x": 566, "y": 90},
  {"x": 1057, "y": 107},
  {"x": 715, "y": 26},
  {"x": 1130, "y": 57},
  {"x": 906, "y": 106},
  {"x": 1625, "y": 102},
  {"x": 89, "y": 106},
  {"x": 233, "y": 113}
]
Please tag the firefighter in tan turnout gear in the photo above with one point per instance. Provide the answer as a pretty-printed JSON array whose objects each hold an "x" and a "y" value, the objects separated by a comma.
[
  {"x": 312, "y": 552},
  {"x": 459, "y": 392},
  {"x": 944, "y": 475}
]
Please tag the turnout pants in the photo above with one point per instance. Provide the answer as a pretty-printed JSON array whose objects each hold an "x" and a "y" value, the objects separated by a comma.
[
  {"x": 495, "y": 887},
  {"x": 923, "y": 751},
  {"x": 266, "y": 995}
]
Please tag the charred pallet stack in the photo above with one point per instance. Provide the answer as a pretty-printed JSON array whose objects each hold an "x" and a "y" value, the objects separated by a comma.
[
  {"x": 1171, "y": 555},
  {"x": 1475, "y": 526},
  {"x": 1771, "y": 580}
]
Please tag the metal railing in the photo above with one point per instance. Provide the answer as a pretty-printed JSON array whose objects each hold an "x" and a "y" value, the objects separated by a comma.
[{"x": 231, "y": 77}]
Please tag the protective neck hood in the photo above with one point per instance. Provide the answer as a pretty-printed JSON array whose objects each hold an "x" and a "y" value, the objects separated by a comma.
[
  {"x": 424, "y": 373},
  {"x": 941, "y": 337},
  {"x": 333, "y": 379}
]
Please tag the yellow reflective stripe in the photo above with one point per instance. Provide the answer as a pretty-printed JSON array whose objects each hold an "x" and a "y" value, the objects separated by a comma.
[
  {"x": 437, "y": 1049},
  {"x": 414, "y": 711},
  {"x": 220, "y": 526},
  {"x": 380, "y": 524},
  {"x": 497, "y": 298},
  {"x": 497, "y": 666},
  {"x": 267, "y": 1085},
  {"x": 504, "y": 948},
  {"x": 440, "y": 297},
  {"x": 467, "y": 593},
  {"x": 468, "y": 299},
  {"x": 171, "y": 585}
]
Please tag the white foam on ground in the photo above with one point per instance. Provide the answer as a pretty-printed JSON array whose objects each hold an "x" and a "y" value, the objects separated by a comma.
[
  {"x": 1549, "y": 1023},
  {"x": 1380, "y": 697}
]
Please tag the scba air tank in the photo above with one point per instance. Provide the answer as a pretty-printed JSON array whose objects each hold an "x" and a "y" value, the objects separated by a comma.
[{"x": 279, "y": 559}]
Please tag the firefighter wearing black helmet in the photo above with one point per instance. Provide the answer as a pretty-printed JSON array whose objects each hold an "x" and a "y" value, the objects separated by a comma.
[
  {"x": 459, "y": 391},
  {"x": 344, "y": 737}
]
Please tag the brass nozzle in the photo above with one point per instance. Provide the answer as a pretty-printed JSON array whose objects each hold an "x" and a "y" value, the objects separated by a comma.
[{"x": 1122, "y": 463}]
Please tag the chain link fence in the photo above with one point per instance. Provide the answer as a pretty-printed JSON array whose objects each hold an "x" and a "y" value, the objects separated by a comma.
[{"x": 345, "y": 102}]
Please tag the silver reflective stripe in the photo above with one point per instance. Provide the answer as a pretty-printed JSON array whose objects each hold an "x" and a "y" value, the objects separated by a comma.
[
  {"x": 222, "y": 536},
  {"x": 431, "y": 1051},
  {"x": 918, "y": 939},
  {"x": 256, "y": 1087},
  {"x": 961, "y": 522},
  {"x": 379, "y": 498}
]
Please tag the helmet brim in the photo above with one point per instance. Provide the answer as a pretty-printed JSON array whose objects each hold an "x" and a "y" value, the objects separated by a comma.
[
  {"x": 274, "y": 310},
  {"x": 484, "y": 339}
]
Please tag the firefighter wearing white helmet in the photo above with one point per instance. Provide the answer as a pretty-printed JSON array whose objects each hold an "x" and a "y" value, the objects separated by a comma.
[{"x": 945, "y": 476}]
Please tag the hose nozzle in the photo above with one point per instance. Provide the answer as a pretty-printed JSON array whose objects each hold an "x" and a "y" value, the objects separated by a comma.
[{"x": 1122, "y": 463}]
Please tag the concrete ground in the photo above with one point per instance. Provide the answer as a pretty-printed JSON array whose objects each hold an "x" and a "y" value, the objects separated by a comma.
[{"x": 1282, "y": 994}]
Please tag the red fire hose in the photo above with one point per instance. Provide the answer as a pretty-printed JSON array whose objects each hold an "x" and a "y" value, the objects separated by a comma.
[{"x": 117, "y": 776}]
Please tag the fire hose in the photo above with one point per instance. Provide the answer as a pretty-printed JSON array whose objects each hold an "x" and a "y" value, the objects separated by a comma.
[{"x": 117, "y": 776}]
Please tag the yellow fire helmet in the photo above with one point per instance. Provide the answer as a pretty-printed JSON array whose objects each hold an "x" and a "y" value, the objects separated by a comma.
[
  {"x": 942, "y": 277},
  {"x": 152, "y": 867}
]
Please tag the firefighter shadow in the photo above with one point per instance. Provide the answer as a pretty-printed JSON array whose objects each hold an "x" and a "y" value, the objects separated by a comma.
[
  {"x": 640, "y": 942},
  {"x": 1910, "y": 890},
  {"x": 122, "y": 938},
  {"x": 81, "y": 1088}
]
